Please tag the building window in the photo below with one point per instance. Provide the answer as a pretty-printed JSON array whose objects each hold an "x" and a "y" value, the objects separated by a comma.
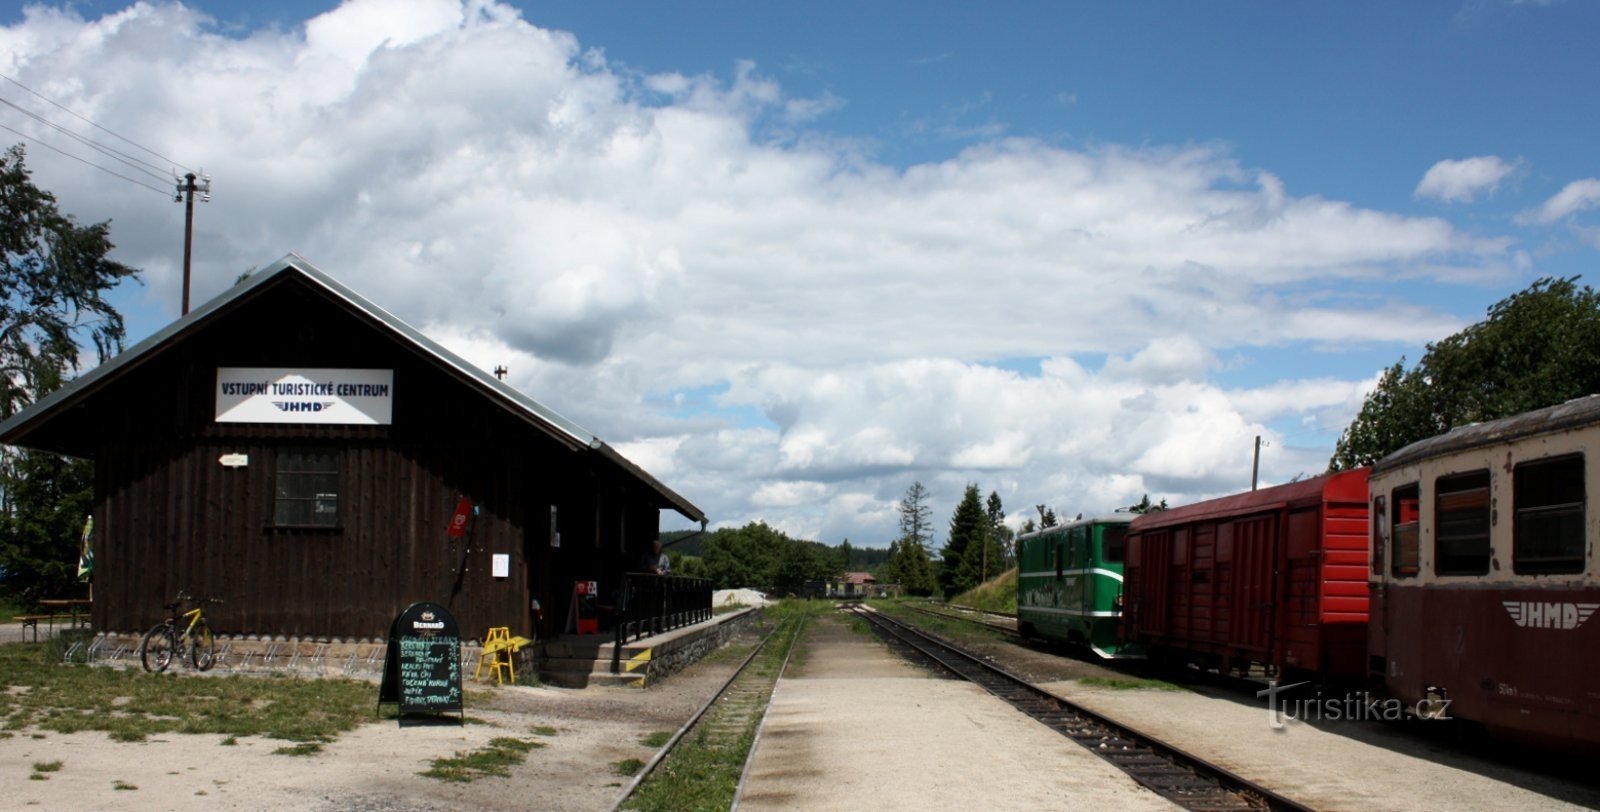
[
  {"x": 1549, "y": 527},
  {"x": 307, "y": 488},
  {"x": 1403, "y": 533},
  {"x": 1461, "y": 524}
]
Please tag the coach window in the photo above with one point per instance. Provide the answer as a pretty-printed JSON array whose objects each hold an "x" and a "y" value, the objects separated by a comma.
[
  {"x": 1380, "y": 533},
  {"x": 1404, "y": 554},
  {"x": 1461, "y": 524},
  {"x": 307, "y": 488},
  {"x": 1549, "y": 527}
]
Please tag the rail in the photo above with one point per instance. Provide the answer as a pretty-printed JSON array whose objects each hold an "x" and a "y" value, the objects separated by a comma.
[
  {"x": 1183, "y": 778},
  {"x": 743, "y": 679}
]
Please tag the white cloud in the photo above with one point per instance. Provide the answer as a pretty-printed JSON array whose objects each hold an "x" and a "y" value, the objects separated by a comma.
[
  {"x": 1576, "y": 196},
  {"x": 1462, "y": 181},
  {"x": 617, "y": 239}
]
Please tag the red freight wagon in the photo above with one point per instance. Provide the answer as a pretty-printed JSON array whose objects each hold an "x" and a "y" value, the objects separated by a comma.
[{"x": 1275, "y": 577}]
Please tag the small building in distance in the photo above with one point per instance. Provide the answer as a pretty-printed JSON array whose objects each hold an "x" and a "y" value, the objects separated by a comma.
[{"x": 298, "y": 452}]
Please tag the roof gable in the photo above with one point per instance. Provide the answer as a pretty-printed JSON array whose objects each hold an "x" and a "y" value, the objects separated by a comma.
[{"x": 21, "y": 428}]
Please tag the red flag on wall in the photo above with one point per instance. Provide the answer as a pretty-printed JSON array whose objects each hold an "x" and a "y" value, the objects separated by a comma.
[{"x": 458, "y": 522}]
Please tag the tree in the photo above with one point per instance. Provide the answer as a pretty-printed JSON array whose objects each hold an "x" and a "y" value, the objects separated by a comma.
[
  {"x": 53, "y": 283},
  {"x": 1144, "y": 505},
  {"x": 968, "y": 528},
  {"x": 1538, "y": 347},
  {"x": 1028, "y": 526},
  {"x": 1047, "y": 516},
  {"x": 916, "y": 518},
  {"x": 908, "y": 563},
  {"x": 1000, "y": 536}
]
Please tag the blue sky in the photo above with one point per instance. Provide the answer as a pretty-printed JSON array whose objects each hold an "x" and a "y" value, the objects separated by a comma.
[{"x": 793, "y": 257}]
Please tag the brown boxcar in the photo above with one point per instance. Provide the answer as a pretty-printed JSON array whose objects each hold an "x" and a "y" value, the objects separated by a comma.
[
  {"x": 1273, "y": 578},
  {"x": 1484, "y": 578}
]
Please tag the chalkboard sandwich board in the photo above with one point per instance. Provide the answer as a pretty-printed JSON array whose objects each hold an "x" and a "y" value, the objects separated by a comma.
[{"x": 422, "y": 667}]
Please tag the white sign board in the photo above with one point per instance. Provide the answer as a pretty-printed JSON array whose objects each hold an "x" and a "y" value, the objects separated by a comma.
[
  {"x": 501, "y": 562},
  {"x": 328, "y": 396}
]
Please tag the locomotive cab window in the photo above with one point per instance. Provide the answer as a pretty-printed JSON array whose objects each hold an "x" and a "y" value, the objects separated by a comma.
[
  {"x": 1113, "y": 543},
  {"x": 1549, "y": 499},
  {"x": 307, "y": 488},
  {"x": 1404, "y": 553},
  {"x": 1461, "y": 524}
]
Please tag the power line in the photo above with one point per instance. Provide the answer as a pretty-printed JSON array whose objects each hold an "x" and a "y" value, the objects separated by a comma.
[
  {"x": 86, "y": 120},
  {"x": 132, "y": 162},
  {"x": 46, "y": 145}
]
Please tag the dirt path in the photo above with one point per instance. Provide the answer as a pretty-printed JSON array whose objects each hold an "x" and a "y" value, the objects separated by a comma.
[
  {"x": 853, "y": 726},
  {"x": 375, "y": 767}
]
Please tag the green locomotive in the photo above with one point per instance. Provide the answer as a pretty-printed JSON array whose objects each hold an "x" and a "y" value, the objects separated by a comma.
[{"x": 1069, "y": 584}]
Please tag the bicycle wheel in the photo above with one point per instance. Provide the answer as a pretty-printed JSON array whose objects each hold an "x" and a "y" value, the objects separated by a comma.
[
  {"x": 202, "y": 647},
  {"x": 155, "y": 651}
]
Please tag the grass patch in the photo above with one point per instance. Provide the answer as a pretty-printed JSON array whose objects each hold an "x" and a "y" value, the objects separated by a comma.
[
  {"x": 544, "y": 730},
  {"x": 998, "y": 594},
  {"x": 301, "y": 749},
  {"x": 1128, "y": 684},
  {"x": 11, "y": 607},
  {"x": 132, "y": 705},
  {"x": 123, "y": 786},
  {"x": 231, "y": 741},
  {"x": 627, "y": 767},
  {"x": 47, "y": 766},
  {"x": 953, "y": 628},
  {"x": 703, "y": 770},
  {"x": 496, "y": 759},
  {"x": 656, "y": 739}
]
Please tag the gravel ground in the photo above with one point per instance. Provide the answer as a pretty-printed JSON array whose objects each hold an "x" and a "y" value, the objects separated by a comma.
[
  {"x": 853, "y": 726},
  {"x": 374, "y": 767}
]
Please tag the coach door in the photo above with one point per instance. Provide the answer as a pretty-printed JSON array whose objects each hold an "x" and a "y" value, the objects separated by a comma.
[
  {"x": 1250, "y": 556},
  {"x": 1154, "y": 580}
]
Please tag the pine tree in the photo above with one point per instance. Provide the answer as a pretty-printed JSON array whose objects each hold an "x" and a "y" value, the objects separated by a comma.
[
  {"x": 908, "y": 559},
  {"x": 969, "y": 527}
]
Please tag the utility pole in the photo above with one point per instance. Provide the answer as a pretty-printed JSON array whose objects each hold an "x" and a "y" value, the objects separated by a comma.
[
  {"x": 186, "y": 189},
  {"x": 1255, "y": 467}
]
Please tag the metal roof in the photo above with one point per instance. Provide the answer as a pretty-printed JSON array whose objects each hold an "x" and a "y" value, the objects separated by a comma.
[
  {"x": 1572, "y": 414},
  {"x": 294, "y": 264},
  {"x": 1120, "y": 517}
]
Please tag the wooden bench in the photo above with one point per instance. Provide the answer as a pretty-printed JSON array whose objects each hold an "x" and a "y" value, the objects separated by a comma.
[{"x": 32, "y": 621}]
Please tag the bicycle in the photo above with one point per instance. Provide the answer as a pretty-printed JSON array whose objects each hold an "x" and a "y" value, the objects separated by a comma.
[{"x": 164, "y": 640}]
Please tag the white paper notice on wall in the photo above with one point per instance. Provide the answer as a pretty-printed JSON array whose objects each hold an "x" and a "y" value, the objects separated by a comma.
[
  {"x": 502, "y": 565},
  {"x": 326, "y": 396}
]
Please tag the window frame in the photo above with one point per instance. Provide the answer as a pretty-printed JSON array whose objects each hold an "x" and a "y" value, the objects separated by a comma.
[
  {"x": 1442, "y": 490},
  {"x": 306, "y": 474},
  {"x": 1380, "y": 533},
  {"x": 1519, "y": 512},
  {"x": 1397, "y": 539}
]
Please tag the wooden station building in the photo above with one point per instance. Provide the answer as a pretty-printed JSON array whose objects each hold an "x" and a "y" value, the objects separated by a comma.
[{"x": 298, "y": 452}]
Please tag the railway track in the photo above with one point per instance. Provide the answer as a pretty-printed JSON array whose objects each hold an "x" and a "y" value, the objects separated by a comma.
[
  {"x": 981, "y": 618},
  {"x": 1184, "y": 779},
  {"x": 726, "y": 721}
]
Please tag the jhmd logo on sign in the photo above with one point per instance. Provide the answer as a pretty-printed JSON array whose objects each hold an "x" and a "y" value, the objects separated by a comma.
[
  {"x": 1542, "y": 615},
  {"x": 330, "y": 396}
]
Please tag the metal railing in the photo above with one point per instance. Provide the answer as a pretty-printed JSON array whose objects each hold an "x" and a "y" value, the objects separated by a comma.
[{"x": 652, "y": 604}]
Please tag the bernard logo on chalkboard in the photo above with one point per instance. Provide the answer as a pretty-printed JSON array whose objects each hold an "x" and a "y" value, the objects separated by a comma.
[{"x": 422, "y": 672}]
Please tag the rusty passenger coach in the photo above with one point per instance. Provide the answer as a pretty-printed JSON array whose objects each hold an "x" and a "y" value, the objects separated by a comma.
[
  {"x": 1272, "y": 579},
  {"x": 1484, "y": 579}
]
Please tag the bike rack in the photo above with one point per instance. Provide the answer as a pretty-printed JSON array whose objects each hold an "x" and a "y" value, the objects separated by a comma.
[
  {"x": 270, "y": 655},
  {"x": 71, "y": 650},
  {"x": 95, "y": 648}
]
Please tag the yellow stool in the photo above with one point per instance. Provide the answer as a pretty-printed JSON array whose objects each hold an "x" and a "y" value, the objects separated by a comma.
[{"x": 498, "y": 650}]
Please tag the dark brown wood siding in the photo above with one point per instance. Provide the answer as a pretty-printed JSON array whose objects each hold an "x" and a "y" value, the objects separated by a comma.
[{"x": 171, "y": 517}]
